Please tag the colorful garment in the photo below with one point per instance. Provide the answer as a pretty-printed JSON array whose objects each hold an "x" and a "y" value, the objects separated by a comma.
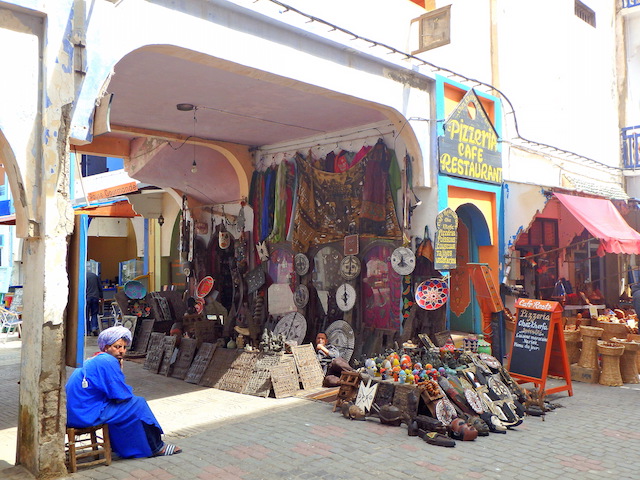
[
  {"x": 330, "y": 205},
  {"x": 97, "y": 393}
]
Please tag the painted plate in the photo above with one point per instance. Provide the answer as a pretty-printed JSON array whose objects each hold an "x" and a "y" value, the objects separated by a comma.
[
  {"x": 432, "y": 294},
  {"x": 301, "y": 296},
  {"x": 445, "y": 411},
  {"x": 474, "y": 400},
  {"x": 204, "y": 287},
  {"x": 134, "y": 290},
  {"x": 199, "y": 306}
]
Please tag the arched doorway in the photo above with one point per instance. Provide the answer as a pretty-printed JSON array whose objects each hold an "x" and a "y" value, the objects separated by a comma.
[{"x": 473, "y": 232}]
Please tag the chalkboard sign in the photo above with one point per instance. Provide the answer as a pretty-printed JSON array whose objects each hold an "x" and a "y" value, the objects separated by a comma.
[
  {"x": 530, "y": 342},
  {"x": 538, "y": 345}
]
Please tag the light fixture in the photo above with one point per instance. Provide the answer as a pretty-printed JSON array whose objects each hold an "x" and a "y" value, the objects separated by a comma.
[
  {"x": 185, "y": 107},
  {"x": 190, "y": 107},
  {"x": 418, "y": 201},
  {"x": 160, "y": 220}
]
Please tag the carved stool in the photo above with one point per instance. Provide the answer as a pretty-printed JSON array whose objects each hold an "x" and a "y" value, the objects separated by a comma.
[
  {"x": 84, "y": 443},
  {"x": 349, "y": 383}
]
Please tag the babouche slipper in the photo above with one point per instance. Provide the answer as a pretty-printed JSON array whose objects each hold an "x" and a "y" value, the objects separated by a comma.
[
  {"x": 168, "y": 449},
  {"x": 435, "y": 438}
]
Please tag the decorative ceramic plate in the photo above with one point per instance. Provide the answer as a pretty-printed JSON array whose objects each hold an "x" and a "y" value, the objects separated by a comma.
[
  {"x": 473, "y": 400},
  {"x": 350, "y": 267},
  {"x": 432, "y": 294},
  {"x": 204, "y": 287},
  {"x": 490, "y": 360},
  {"x": 134, "y": 290},
  {"x": 301, "y": 264},
  {"x": 340, "y": 334},
  {"x": 199, "y": 306},
  {"x": 445, "y": 411}
]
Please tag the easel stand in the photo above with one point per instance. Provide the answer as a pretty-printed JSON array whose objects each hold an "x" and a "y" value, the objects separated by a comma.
[{"x": 539, "y": 348}]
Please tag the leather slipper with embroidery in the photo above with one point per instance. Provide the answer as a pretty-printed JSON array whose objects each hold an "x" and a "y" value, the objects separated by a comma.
[{"x": 434, "y": 438}]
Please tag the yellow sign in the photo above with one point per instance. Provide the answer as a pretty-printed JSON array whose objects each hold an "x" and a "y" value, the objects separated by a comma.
[{"x": 469, "y": 147}]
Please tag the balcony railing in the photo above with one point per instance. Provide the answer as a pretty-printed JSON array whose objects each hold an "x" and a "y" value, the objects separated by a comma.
[
  {"x": 630, "y": 143},
  {"x": 630, "y": 3}
]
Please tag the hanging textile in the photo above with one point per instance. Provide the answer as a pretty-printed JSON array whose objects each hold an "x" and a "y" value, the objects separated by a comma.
[
  {"x": 268, "y": 203},
  {"x": 375, "y": 216},
  {"x": 278, "y": 231},
  {"x": 328, "y": 203}
]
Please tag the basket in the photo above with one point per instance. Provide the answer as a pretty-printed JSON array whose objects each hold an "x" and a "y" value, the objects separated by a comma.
[
  {"x": 589, "y": 353},
  {"x": 572, "y": 342},
  {"x": 628, "y": 361},
  {"x": 610, "y": 354},
  {"x": 634, "y": 337},
  {"x": 612, "y": 329}
]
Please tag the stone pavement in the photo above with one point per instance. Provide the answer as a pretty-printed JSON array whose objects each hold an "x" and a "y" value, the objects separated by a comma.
[{"x": 595, "y": 435}]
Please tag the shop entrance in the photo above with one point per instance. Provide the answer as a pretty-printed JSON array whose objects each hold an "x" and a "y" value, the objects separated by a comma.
[{"x": 473, "y": 232}]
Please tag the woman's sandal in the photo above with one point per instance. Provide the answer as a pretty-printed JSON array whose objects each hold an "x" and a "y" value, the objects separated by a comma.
[{"x": 168, "y": 449}]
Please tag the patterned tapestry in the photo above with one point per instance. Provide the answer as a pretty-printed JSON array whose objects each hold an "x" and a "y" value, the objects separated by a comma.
[{"x": 332, "y": 205}]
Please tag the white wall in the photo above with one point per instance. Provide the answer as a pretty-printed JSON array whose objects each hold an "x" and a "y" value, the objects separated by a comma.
[{"x": 559, "y": 73}]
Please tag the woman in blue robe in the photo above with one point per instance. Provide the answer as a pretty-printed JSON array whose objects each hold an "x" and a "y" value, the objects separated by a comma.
[{"x": 97, "y": 393}]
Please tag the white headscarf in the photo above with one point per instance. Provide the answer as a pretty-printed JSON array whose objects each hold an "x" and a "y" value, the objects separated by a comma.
[{"x": 111, "y": 335}]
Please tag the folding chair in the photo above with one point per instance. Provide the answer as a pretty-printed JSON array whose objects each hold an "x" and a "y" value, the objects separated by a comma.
[{"x": 10, "y": 323}]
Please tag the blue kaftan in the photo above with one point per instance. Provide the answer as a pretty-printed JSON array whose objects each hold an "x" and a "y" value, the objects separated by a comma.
[{"x": 106, "y": 398}]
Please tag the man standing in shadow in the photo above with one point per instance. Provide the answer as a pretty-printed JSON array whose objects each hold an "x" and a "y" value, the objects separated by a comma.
[{"x": 94, "y": 297}]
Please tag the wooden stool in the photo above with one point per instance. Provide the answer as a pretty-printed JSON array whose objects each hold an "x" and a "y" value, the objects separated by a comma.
[
  {"x": 610, "y": 354},
  {"x": 349, "y": 383},
  {"x": 79, "y": 446}
]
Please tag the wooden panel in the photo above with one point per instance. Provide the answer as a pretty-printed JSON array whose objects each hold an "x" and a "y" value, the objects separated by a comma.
[
  {"x": 308, "y": 365},
  {"x": 168, "y": 351},
  {"x": 220, "y": 363},
  {"x": 259, "y": 382},
  {"x": 154, "y": 353},
  {"x": 285, "y": 378},
  {"x": 186, "y": 354},
  {"x": 200, "y": 363},
  {"x": 238, "y": 373}
]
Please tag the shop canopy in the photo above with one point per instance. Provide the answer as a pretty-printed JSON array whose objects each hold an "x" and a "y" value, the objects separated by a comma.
[{"x": 603, "y": 220}]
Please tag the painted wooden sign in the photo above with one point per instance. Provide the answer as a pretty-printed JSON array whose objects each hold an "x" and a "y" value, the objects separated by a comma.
[
  {"x": 446, "y": 240},
  {"x": 469, "y": 146}
]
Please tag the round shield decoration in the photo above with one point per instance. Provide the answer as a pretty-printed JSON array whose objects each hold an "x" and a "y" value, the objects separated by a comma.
[
  {"x": 340, "y": 334},
  {"x": 301, "y": 296},
  {"x": 293, "y": 326},
  {"x": 345, "y": 297},
  {"x": 403, "y": 260}
]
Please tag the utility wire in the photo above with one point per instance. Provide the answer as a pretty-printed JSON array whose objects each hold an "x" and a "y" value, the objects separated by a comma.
[{"x": 392, "y": 50}]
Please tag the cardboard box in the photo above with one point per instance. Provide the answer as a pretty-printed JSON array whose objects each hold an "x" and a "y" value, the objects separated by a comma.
[{"x": 584, "y": 375}]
